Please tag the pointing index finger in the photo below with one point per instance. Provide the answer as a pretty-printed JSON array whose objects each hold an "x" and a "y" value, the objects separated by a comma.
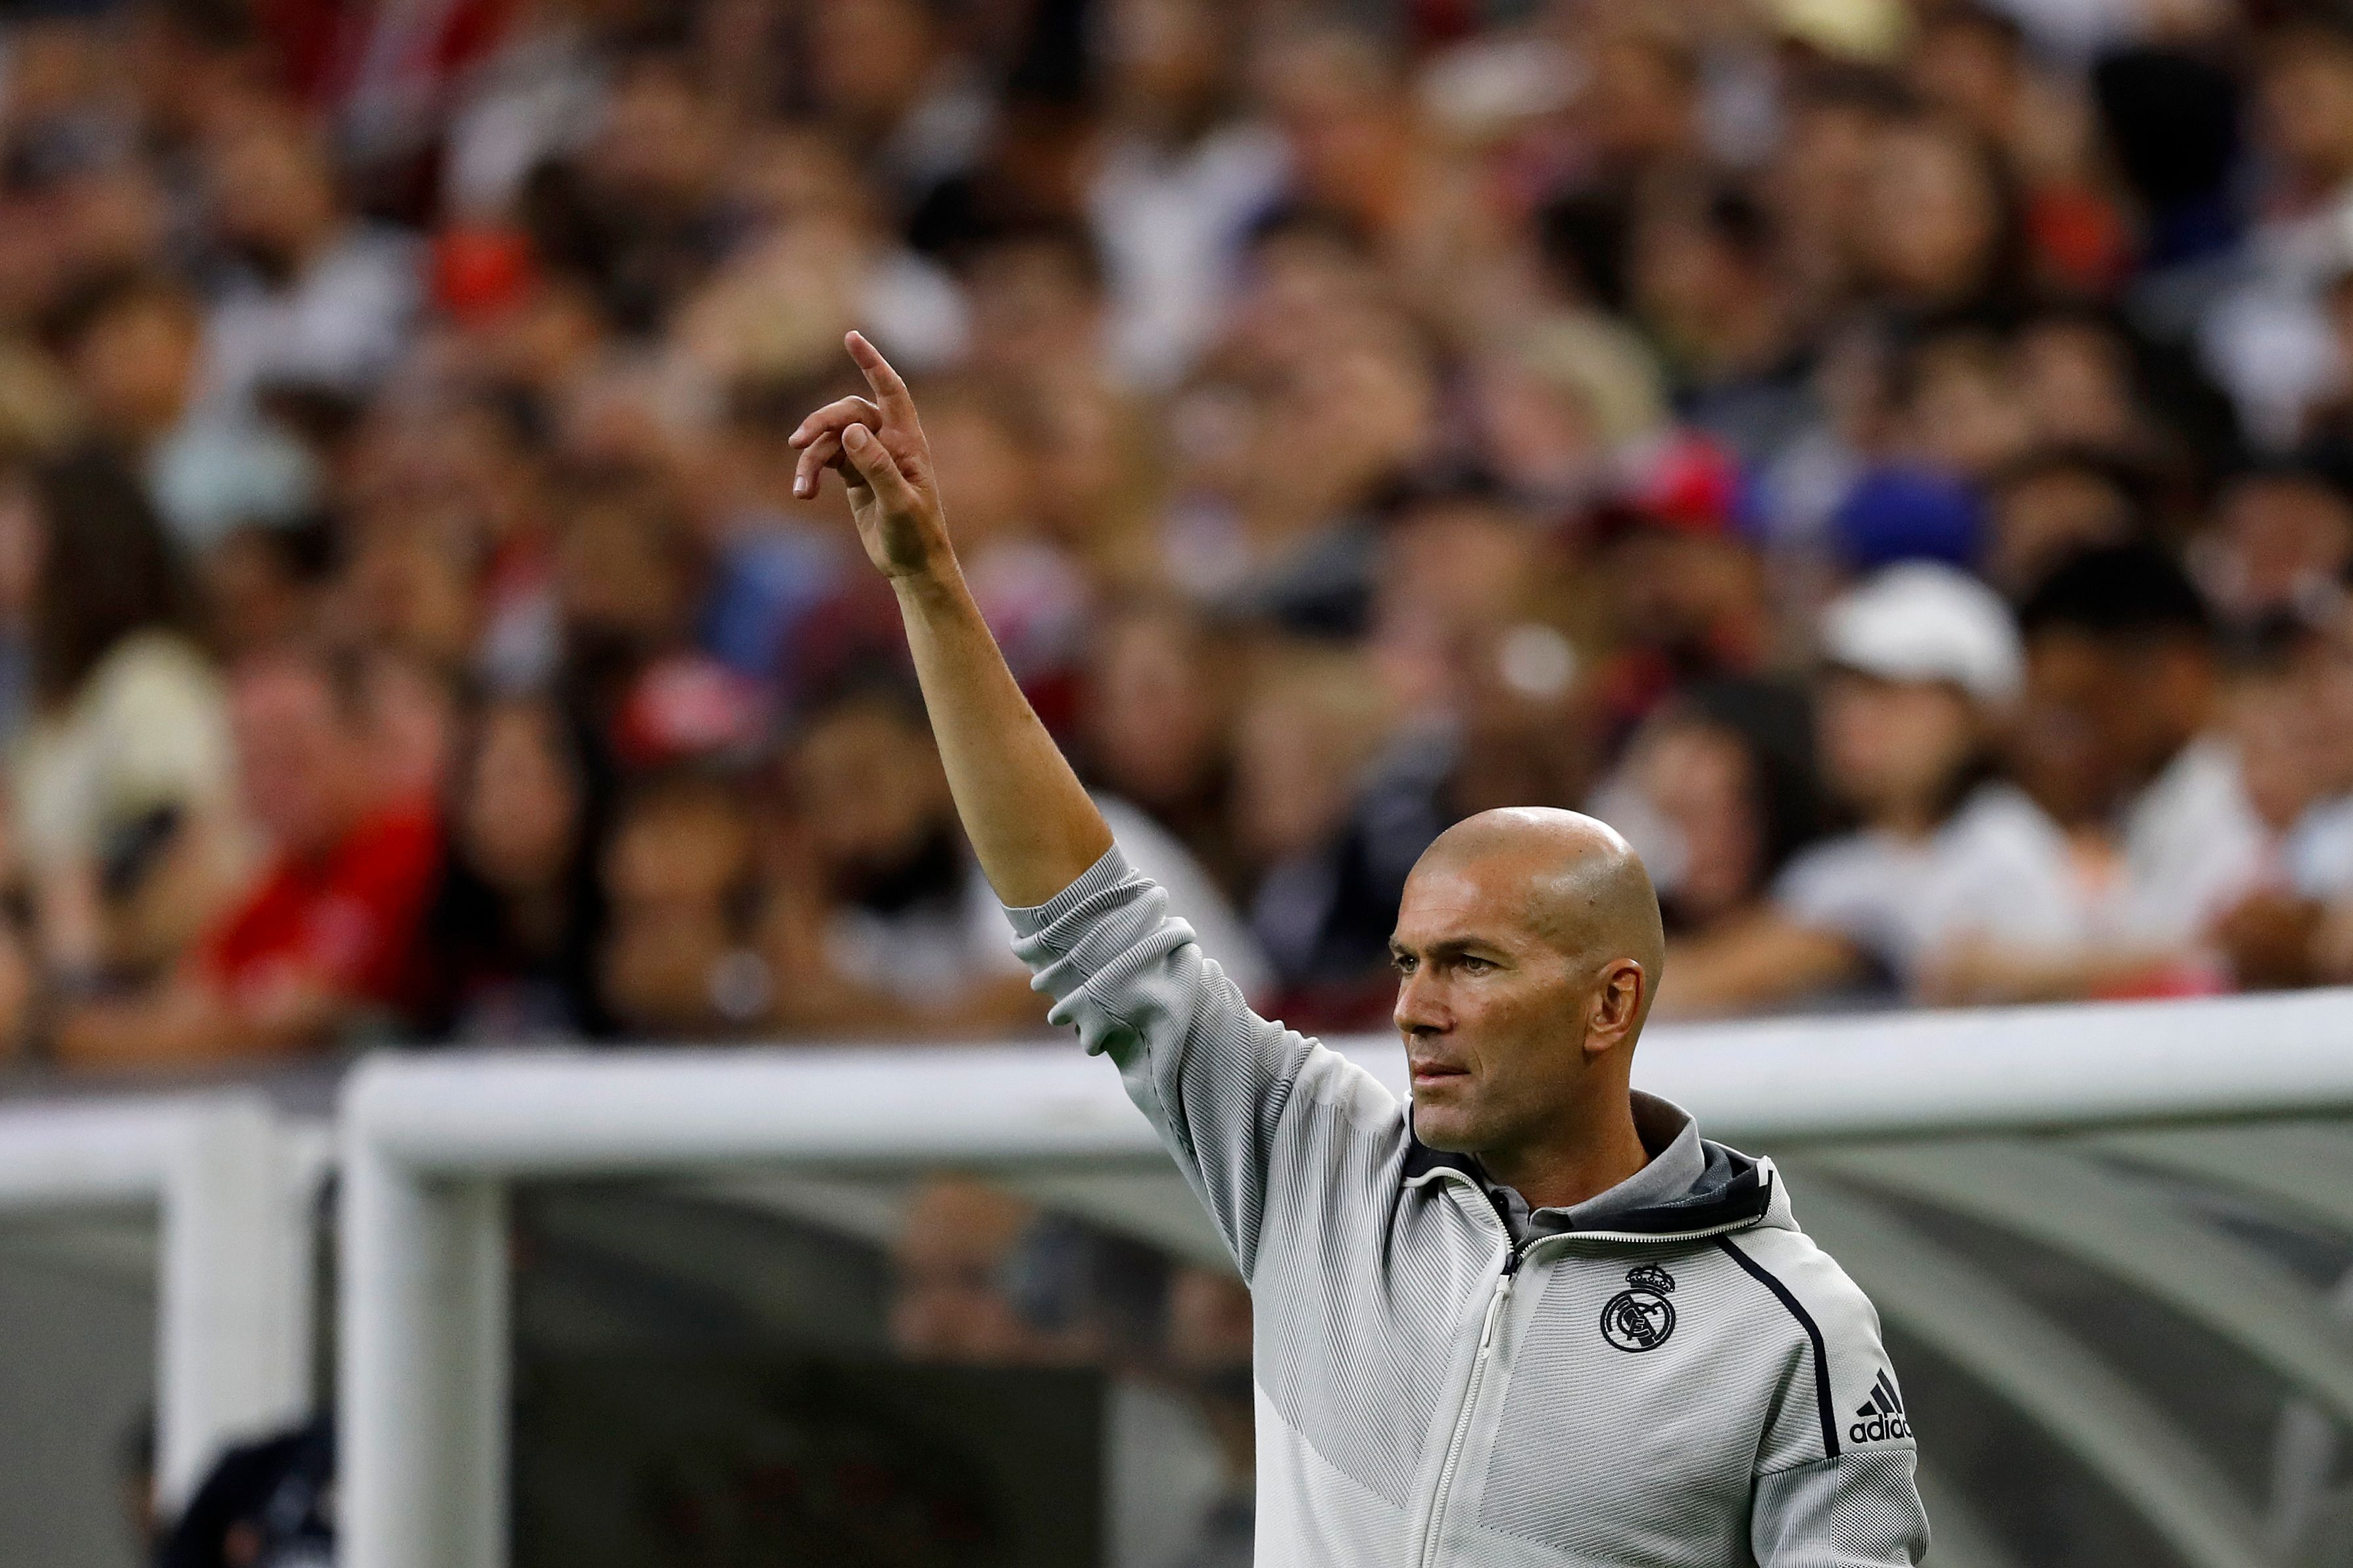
[{"x": 898, "y": 404}]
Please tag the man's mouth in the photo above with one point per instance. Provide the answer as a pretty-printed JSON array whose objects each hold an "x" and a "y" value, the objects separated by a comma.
[{"x": 1428, "y": 1075}]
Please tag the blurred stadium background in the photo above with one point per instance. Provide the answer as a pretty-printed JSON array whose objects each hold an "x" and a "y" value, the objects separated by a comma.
[{"x": 485, "y": 953}]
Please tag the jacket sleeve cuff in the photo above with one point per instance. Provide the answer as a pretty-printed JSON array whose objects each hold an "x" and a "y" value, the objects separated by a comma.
[{"x": 1099, "y": 878}]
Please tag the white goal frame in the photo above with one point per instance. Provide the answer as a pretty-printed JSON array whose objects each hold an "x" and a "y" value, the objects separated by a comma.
[
  {"x": 232, "y": 1186},
  {"x": 430, "y": 1144}
]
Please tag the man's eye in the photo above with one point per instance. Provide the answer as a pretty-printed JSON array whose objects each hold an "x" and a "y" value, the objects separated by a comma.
[
  {"x": 1476, "y": 965},
  {"x": 1401, "y": 963}
]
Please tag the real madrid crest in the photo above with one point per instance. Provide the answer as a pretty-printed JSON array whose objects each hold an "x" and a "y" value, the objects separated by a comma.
[{"x": 1640, "y": 1318}]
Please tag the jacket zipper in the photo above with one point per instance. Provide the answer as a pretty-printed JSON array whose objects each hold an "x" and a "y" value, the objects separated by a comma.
[{"x": 1435, "y": 1532}]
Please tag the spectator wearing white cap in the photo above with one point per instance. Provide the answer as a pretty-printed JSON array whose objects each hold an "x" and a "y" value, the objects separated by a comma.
[{"x": 1920, "y": 664}]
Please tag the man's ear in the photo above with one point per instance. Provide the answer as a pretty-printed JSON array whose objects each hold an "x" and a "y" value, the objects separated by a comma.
[{"x": 1617, "y": 1005}]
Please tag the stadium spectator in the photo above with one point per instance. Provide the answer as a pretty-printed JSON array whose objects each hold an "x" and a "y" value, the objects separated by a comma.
[
  {"x": 950, "y": 1300},
  {"x": 1156, "y": 715},
  {"x": 324, "y": 943},
  {"x": 2319, "y": 849},
  {"x": 2266, "y": 341},
  {"x": 1185, "y": 170},
  {"x": 679, "y": 957},
  {"x": 511, "y": 940},
  {"x": 2054, "y": 503},
  {"x": 631, "y": 578},
  {"x": 263, "y": 586},
  {"x": 1560, "y": 405},
  {"x": 1716, "y": 792},
  {"x": 1948, "y": 860},
  {"x": 125, "y": 774},
  {"x": 315, "y": 297},
  {"x": 880, "y": 922},
  {"x": 1305, "y": 751},
  {"x": 772, "y": 567},
  {"x": 887, "y": 74},
  {"x": 2121, "y": 651},
  {"x": 264, "y": 1503},
  {"x": 1684, "y": 590},
  {"x": 2280, "y": 535},
  {"x": 1953, "y": 408},
  {"x": 884, "y": 925},
  {"x": 1035, "y": 596},
  {"x": 134, "y": 344},
  {"x": 1288, "y": 535},
  {"x": 1705, "y": 262},
  {"x": 2284, "y": 710},
  {"x": 1937, "y": 229}
]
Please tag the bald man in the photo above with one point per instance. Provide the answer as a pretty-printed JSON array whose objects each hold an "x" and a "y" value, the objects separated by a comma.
[{"x": 1531, "y": 1318}]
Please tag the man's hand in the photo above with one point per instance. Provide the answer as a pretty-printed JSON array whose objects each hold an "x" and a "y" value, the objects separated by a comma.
[{"x": 878, "y": 448}]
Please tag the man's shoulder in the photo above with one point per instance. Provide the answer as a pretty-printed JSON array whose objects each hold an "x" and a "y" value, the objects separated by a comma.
[
  {"x": 1815, "y": 1286},
  {"x": 1849, "y": 1376}
]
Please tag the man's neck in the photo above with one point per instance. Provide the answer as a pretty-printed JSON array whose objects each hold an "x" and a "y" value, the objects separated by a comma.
[{"x": 1564, "y": 1173}]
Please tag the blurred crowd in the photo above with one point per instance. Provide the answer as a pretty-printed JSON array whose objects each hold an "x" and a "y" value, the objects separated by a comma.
[{"x": 1893, "y": 461}]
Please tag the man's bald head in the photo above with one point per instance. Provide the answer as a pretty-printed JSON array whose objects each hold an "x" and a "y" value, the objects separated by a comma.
[
  {"x": 1527, "y": 950},
  {"x": 1585, "y": 889}
]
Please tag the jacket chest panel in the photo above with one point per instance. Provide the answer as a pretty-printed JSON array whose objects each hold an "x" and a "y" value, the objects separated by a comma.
[
  {"x": 1634, "y": 1395},
  {"x": 1357, "y": 1335}
]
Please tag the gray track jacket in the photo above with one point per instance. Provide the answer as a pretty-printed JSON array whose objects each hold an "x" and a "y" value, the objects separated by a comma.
[{"x": 1670, "y": 1375}]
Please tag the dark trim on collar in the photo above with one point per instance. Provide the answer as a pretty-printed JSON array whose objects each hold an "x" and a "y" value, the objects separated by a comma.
[
  {"x": 1744, "y": 1198},
  {"x": 1422, "y": 1160}
]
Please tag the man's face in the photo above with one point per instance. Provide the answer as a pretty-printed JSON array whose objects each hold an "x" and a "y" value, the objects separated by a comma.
[
  {"x": 868, "y": 58},
  {"x": 2287, "y": 532},
  {"x": 1493, "y": 1008},
  {"x": 870, "y": 788},
  {"x": 1891, "y": 748},
  {"x": 618, "y": 582},
  {"x": 1703, "y": 781},
  {"x": 1675, "y": 590},
  {"x": 2038, "y": 522},
  {"x": 2304, "y": 110},
  {"x": 271, "y": 193},
  {"x": 2081, "y": 687},
  {"x": 136, "y": 363},
  {"x": 297, "y": 749}
]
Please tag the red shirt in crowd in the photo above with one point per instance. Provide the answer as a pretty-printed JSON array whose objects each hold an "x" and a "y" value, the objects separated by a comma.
[{"x": 344, "y": 923}]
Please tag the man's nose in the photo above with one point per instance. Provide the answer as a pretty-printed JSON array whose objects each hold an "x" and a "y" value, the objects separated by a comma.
[{"x": 1419, "y": 1008}]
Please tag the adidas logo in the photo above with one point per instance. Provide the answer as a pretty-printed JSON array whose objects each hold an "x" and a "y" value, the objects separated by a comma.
[{"x": 1882, "y": 1415}]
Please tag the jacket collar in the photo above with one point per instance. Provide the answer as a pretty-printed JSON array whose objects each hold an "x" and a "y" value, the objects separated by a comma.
[{"x": 1732, "y": 1189}]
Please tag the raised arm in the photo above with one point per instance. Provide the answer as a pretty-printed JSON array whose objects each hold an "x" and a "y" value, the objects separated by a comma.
[
  {"x": 1230, "y": 1093},
  {"x": 1027, "y": 816}
]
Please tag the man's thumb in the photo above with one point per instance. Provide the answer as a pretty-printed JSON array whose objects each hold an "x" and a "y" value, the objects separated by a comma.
[{"x": 873, "y": 460}]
